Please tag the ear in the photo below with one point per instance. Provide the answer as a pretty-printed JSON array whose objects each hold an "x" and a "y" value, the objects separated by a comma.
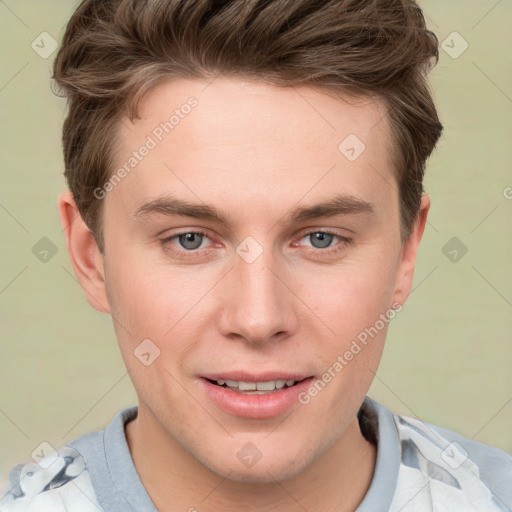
[
  {"x": 405, "y": 273},
  {"x": 85, "y": 256}
]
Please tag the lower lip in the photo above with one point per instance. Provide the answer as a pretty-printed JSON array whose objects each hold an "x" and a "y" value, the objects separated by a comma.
[{"x": 255, "y": 406}]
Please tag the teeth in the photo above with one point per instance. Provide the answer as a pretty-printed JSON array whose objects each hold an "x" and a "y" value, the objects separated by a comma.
[
  {"x": 247, "y": 386},
  {"x": 270, "y": 385},
  {"x": 266, "y": 386}
]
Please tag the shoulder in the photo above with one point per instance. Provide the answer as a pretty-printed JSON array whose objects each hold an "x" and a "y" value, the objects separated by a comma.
[
  {"x": 76, "y": 477},
  {"x": 450, "y": 470},
  {"x": 54, "y": 483}
]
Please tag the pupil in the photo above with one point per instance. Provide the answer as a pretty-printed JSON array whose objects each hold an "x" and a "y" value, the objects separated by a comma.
[
  {"x": 321, "y": 240},
  {"x": 190, "y": 240}
]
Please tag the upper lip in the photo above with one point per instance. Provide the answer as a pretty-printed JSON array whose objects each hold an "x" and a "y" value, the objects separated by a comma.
[{"x": 245, "y": 376}]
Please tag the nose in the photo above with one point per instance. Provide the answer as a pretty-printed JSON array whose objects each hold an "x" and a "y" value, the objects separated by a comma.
[{"x": 257, "y": 305}]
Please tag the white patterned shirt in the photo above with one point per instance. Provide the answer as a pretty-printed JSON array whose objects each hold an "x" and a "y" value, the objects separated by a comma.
[{"x": 419, "y": 468}]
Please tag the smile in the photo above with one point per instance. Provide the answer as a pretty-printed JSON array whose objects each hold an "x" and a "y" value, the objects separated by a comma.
[{"x": 258, "y": 399}]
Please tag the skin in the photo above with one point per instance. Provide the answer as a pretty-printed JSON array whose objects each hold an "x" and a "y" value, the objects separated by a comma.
[{"x": 254, "y": 152}]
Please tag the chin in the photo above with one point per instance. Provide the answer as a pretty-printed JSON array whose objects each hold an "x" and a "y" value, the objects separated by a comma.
[
  {"x": 269, "y": 474},
  {"x": 275, "y": 467}
]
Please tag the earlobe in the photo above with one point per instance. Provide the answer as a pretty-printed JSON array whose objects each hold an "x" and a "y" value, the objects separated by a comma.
[
  {"x": 86, "y": 259},
  {"x": 405, "y": 273}
]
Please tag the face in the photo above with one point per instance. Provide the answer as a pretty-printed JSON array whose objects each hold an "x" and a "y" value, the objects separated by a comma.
[{"x": 254, "y": 242}]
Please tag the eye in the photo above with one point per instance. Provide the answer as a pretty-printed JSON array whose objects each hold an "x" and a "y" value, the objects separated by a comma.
[
  {"x": 320, "y": 239},
  {"x": 325, "y": 242},
  {"x": 188, "y": 241}
]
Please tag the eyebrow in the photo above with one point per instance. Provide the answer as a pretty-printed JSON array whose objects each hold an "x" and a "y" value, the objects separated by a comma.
[{"x": 338, "y": 205}]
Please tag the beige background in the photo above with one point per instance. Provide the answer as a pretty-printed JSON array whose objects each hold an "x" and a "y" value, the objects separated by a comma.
[{"x": 449, "y": 353}]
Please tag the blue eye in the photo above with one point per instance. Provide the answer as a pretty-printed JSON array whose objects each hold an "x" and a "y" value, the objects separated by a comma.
[
  {"x": 186, "y": 243},
  {"x": 321, "y": 240},
  {"x": 190, "y": 241}
]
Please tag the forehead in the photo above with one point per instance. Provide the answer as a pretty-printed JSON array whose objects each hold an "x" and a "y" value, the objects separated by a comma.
[
  {"x": 255, "y": 141},
  {"x": 235, "y": 109}
]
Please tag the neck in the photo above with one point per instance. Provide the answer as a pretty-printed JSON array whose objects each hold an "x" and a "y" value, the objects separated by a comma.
[{"x": 175, "y": 480}]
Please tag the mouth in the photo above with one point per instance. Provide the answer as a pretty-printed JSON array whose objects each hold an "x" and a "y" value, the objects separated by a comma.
[{"x": 256, "y": 397}]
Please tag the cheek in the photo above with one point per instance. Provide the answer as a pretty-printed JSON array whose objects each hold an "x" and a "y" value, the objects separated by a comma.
[
  {"x": 144, "y": 310},
  {"x": 162, "y": 304},
  {"x": 353, "y": 295},
  {"x": 151, "y": 299},
  {"x": 355, "y": 304}
]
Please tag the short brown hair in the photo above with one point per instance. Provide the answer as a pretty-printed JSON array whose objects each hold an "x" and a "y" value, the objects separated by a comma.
[{"x": 115, "y": 51}]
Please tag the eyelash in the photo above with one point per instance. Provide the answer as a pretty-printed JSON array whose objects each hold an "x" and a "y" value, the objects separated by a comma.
[{"x": 193, "y": 253}]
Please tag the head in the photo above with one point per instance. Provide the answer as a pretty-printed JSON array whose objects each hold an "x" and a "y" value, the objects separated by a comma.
[{"x": 291, "y": 137}]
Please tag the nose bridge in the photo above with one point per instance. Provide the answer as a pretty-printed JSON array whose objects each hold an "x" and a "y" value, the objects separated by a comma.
[{"x": 257, "y": 304}]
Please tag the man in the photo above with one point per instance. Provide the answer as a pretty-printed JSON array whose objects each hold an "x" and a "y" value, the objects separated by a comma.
[{"x": 246, "y": 203}]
